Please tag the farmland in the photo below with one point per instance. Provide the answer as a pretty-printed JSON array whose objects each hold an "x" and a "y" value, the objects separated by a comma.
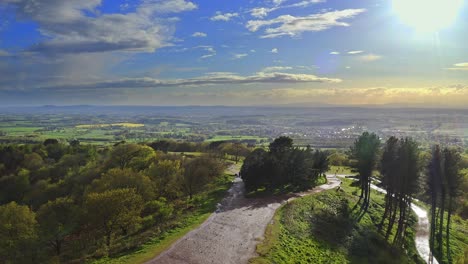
[{"x": 319, "y": 127}]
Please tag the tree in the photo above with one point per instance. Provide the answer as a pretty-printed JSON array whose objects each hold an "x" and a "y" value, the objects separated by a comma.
[
  {"x": 365, "y": 152},
  {"x": 389, "y": 172},
  {"x": 17, "y": 231},
  {"x": 57, "y": 220},
  {"x": 50, "y": 141},
  {"x": 280, "y": 146},
  {"x": 235, "y": 149},
  {"x": 321, "y": 162},
  {"x": 113, "y": 210},
  {"x": 409, "y": 172},
  {"x": 166, "y": 176},
  {"x": 14, "y": 187},
  {"x": 435, "y": 169},
  {"x": 198, "y": 172},
  {"x": 133, "y": 156},
  {"x": 121, "y": 179},
  {"x": 254, "y": 170},
  {"x": 453, "y": 177},
  {"x": 33, "y": 161}
]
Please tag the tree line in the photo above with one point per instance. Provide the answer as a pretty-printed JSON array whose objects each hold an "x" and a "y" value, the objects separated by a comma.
[
  {"x": 404, "y": 173},
  {"x": 283, "y": 166},
  {"x": 69, "y": 201}
]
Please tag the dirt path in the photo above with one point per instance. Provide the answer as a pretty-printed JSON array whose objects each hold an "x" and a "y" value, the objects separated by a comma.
[
  {"x": 232, "y": 232},
  {"x": 421, "y": 239}
]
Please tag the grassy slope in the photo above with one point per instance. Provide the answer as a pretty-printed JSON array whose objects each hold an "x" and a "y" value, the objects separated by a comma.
[
  {"x": 188, "y": 221},
  {"x": 458, "y": 241},
  {"x": 321, "y": 229}
]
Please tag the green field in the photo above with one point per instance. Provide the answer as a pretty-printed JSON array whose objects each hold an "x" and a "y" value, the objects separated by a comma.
[{"x": 227, "y": 138}]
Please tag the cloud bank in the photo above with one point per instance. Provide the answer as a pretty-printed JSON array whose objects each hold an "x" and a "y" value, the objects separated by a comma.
[{"x": 77, "y": 26}]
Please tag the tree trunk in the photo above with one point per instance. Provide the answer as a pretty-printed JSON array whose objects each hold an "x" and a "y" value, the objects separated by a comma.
[
  {"x": 391, "y": 221},
  {"x": 397, "y": 237},
  {"x": 441, "y": 223},
  {"x": 58, "y": 247},
  {"x": 108, "y": 239},
  {"x": 387, "y": 207},
  {"x": 449, "y": 212}
]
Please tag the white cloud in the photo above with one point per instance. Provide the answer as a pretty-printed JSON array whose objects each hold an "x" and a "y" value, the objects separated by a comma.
[
  {"x": 334, "y": 53},
  {"x": 288, "y": 25},
  {"x": 261, "y": 12},
  {"x": 240, "y": 56},
  {"x": 370, "y": 57},
  {"x": 223, "y": 17},
  {"x": 353, "y": 52},
  {"x": 77, "y": 26},
  {"x": 199, "y": 35},
  {"x": 209, "y": 49},
  {"x": 252, "y": 51},
  {"x": 275, "y": 50},
  {"x": 216, "y": 78},
  {"x": 462, "y": 66},
  {"x": 276, "y": 69}
]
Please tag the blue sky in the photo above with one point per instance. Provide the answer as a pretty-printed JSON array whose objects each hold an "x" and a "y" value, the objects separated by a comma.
[{"x": 225, "y": 52}]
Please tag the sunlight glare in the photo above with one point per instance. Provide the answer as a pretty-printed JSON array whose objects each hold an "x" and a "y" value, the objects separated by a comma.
[{"x": 427, "y": 15}]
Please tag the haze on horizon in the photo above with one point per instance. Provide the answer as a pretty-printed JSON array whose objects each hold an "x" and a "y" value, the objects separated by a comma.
[{"x": 202, "y": 52}]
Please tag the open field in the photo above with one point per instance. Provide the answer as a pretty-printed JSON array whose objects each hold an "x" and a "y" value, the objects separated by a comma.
[{"x": 325, "y": 128}]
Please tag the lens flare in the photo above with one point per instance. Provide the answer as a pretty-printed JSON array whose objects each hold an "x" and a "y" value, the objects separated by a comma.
[{"x": 427, "y": 15}]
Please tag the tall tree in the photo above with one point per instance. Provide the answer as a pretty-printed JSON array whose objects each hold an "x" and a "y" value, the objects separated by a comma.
[
  {"x": 434, "y": 184},
  {"x": 365, "y": 152},
  {"x": 453, "y": 177},
  {"x": 389, "y": 172}
]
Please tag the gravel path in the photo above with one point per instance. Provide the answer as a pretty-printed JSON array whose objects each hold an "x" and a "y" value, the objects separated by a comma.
[{"x": 232, "y": 232}]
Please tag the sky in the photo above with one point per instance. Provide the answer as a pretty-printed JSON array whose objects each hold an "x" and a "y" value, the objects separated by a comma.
[{"x": 234, "y": 52}]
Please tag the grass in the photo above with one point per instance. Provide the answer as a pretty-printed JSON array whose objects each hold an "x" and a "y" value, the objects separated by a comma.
[
  {"x": 341, "y": 170},
  {"x": 322, "y": 228},
  {"x": 187, "y": 221},
  {"x": 458, "y": 241}
]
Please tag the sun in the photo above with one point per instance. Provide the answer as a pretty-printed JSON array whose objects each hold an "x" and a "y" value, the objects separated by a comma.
[{"x": 427, "y": 15}]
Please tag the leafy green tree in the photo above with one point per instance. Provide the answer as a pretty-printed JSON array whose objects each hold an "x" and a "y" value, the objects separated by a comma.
[
  {"x": 18, "y": 231},
  {"x": 33, "y": 161},
  {"x": 321, "y": 162},
  {"x": 365, "y": 151},
  {"x": 113, "y": 210},
  {"x": 166, "y": 176},
  {"x": 254, "y": 170},
  {"x": 14, "y": 187},
  {"x": 198, "y": 172},
  {"x": 124, "y": 178},
  {"x": 281, "y": 146},
  {"x": 57, "y": 220},
  {"x": 134, "y": 156},
  {"x": 235, "y": 149}
]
